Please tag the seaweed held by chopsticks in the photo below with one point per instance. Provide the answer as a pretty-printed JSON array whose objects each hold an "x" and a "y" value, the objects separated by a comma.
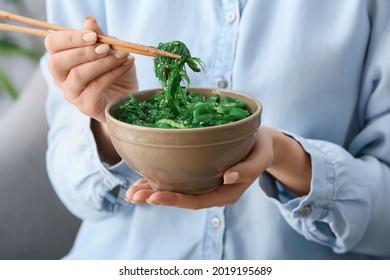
[
  {"x": 174, "y": 107},
  {"x": 172, "y": 73}
]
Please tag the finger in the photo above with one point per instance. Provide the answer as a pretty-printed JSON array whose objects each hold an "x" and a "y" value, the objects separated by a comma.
[
  {"x": 142, "y": 196},
  {"x": 224, "y": 195},
  {"x": 61, "y": 63},
  {"x": 82, "y": 75},
  {"x": 90, "y": 23},
  {"x": 68, "y": 39},
  {"x": 254, "y": 165},
  {"x": 139, "y": 184},
  {"x": 103, "y": 81},
  {"x": 139, "y": 192},
  {"x": 90, "y": 101}
]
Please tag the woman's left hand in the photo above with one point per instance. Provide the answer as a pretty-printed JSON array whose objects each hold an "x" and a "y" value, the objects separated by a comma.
[{"x": 236, "y": 180}]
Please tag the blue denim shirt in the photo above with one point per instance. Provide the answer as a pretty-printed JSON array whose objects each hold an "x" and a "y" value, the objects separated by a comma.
[{"x": 322, "y": 72}]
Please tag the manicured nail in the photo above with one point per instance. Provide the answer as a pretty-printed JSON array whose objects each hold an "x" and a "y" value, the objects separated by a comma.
[
  {"x": 102, "y": 49},
  {"x": 91, "y": 18},
  {"x": 90, "y": 37},
  {"x": 231, "y": 178},
  {"x": 152, "y": 203},
  {"x": 121, "y": 54},
  {"x": 129, "y": 200},
  {"x": 129, "y": 61}
]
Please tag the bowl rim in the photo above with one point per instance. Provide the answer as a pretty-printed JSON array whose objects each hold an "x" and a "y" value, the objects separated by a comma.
[{"x": 255, "y": 114}]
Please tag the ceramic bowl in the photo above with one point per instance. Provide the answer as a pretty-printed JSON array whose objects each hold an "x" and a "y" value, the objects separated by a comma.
[{"x": 184, "y": 160}]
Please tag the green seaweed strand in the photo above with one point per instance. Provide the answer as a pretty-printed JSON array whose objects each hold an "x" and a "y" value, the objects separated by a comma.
[
  {"x": 172, "y": 73},
  {"x": 174, "y": 107}
]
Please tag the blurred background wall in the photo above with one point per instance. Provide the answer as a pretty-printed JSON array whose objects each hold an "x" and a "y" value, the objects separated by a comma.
[
  {"x": 34, "y": 224},
  {"x": 19, "y": 54}
]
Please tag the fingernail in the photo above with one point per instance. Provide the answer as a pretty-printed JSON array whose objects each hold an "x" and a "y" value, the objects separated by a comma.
[
  {"x": 102, "y": 49},
  {"x": 231, "y": 177},
  {"x": 152, "y": 203},
  {"x": 129, "y": 61},
  {"x": 129, "y": 200},
  {"x": 121, "y": 54},
  {"x": 90, "y": 37},
  {"x": 90, "y": 18}
]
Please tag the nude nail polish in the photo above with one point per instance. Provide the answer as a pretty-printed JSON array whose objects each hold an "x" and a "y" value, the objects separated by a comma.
[
  {"x": 90, "y": 37},
  {"x": 232, "y": 177},
  {"x": 129, "y": 61},
  {"x": 91, "y": 18},
  {"x": 121, "y": 54},
  {"x": 102, "y": 49},
  {"x": 152, "y": 203}
]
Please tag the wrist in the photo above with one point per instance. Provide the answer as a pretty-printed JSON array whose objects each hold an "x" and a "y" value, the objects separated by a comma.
[{"x": 291, "y": 164}]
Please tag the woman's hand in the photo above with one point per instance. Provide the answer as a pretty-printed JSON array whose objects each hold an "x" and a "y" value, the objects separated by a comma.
[
  {"x": 89, "y": 74},
  {"x": 273, "y": 151}
]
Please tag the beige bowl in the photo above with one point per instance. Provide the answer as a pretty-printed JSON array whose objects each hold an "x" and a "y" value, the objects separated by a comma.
[{"x": 184, "y": 160}]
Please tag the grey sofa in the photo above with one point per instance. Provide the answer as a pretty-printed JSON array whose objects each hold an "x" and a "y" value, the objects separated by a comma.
[{"x": 34, "y": 224}]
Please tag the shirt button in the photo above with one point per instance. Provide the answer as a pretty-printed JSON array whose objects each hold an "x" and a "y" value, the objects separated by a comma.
[
  {"x": 305, "y": 211},
  {"x": 222, "y": 83},
  {"x": 216, "y": 222},
  {"x": 231, "y": 16}
]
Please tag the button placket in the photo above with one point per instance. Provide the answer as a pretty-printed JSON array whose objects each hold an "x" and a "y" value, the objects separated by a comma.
[
  {"x": 222, "y": 83},
  {"x": 214, "y": 233},
  {"x": 225, "y": 48}
]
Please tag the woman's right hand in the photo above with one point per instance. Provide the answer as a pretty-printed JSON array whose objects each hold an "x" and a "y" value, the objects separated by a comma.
[{"x": 90, "y": 74}]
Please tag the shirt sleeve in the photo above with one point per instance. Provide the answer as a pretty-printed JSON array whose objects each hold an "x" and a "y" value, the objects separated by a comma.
[
  {"x": 89, "y": 188},
  {"x": 347, "y": 207}
]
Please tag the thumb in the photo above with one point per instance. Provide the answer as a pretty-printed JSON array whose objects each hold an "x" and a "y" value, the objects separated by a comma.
[
  {"x": 90, "y": 23},
  {"x": 246, "y": 171},
  {"x": 258, "y": 160}
]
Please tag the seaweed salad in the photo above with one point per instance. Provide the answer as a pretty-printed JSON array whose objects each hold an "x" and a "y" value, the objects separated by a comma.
[{"x": 174, "y": 106}]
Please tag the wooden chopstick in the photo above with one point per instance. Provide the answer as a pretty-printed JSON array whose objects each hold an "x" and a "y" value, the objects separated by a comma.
[
  {"x": 44, "y": 33},
  {"x": 24, "y": 30},
  {"x": 115, "y": 44}
]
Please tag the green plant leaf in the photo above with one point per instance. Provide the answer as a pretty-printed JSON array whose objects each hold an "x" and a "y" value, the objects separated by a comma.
[
  {"x": 19, "y": 5},
  {"x": 8, "y": 48},
  {"x": 11, "y": 47},
  {"x": 8, "y": 85}
]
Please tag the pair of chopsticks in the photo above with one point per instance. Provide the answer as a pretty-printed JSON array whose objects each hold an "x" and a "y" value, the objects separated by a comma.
[{"x": 115, "y": 44}]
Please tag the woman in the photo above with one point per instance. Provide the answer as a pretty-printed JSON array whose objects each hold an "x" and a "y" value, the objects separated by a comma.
[{"x": 316, "y": 184}]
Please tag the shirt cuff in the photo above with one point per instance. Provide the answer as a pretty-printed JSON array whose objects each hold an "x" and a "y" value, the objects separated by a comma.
[
  {"x": 126, "y": 177},
  {"x": 306, "y": 213},
  {"x": 119, "y": 176}
]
